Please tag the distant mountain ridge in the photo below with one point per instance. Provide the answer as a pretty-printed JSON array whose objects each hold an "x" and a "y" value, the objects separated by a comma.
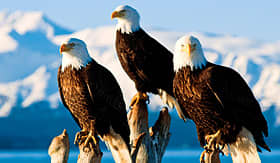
[{"x": 29, "y": 58}]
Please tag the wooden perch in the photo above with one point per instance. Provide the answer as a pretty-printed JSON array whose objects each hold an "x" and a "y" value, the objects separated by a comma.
[
  {"x": 59, "y": 148},
  {"x": 90, "y": 153},
  {"x": 151, "y": 142},
  {"x": 212, "y": 156},
  {"x": 160, "y": 133}
]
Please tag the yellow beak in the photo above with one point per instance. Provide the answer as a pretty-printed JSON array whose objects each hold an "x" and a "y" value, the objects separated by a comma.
[
  {"x": 65, "y": 48},
  {"x": 115, "y": 14},
  {"x": 187, "y": 49}
]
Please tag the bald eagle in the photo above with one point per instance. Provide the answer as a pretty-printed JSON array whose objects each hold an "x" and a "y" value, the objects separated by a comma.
[
  {"x": 146, "y": 61},
  {"x": 91, "y": 93},
  {"x": 219, "y": 102}
]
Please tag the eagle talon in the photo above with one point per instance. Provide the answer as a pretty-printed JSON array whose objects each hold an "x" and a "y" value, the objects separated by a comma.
[
  {"x": 80, "y": 136},
  {"x": 213, "y": 141},
  {"x": 90, "y": 136},
  {"x": 139, "y": 96}
]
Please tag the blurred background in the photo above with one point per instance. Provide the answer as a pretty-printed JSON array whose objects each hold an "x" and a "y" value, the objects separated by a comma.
[{"x": 241, "y": 34}]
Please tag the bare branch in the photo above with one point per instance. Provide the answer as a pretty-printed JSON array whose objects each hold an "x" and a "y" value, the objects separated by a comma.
[
  {"x": 153, "y": 145},
  {"x": 59, "y": 148},
  {"x": 160, "y": 133},
  {"x": 135, "y": 146},
  {"x": 90, "y": 153}
]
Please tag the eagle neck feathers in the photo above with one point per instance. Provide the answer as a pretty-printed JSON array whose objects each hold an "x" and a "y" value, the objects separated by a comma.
[
  {"x": 127, "y": 27},
  {"x": 196, "y": 62},
  {"x": 76, "y": 62}
]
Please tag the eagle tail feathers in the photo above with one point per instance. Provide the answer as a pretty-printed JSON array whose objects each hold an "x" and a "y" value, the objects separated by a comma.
[
  {"x": 244, "y": 149},
  {"x": 116, "y": 144},
  {"x": 171, "y": 102}
]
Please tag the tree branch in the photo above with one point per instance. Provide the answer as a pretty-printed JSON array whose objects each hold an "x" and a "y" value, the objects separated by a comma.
[
  {"x": 153, "y": 145},
  {"x": 90, "y": 153},
  {"x": 59, "y": 148}
]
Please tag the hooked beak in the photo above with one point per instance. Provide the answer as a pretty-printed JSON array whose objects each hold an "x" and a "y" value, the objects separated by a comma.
[
  {"x": 65, "y": 48},
  {"x": 187, "y": 49},
  {"x": 116, "y": 14}
]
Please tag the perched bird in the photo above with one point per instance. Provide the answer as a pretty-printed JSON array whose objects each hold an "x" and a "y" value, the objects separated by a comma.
[
  {"x": 148, "y": 63},
  {"x": 219, "y": 102},
  {"x": 91, "y": 94}
]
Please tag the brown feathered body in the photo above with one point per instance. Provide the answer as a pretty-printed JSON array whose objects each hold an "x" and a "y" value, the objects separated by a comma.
[
  {"x": 92, "y": 93},
  {"x": 217, "y": 98},
  {"x": 146, "y": 61}
]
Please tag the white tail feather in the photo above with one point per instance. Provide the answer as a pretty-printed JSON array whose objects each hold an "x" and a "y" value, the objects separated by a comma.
[
  {"x": 244, "y": 150},
  {"x": 171, "y": 102}
]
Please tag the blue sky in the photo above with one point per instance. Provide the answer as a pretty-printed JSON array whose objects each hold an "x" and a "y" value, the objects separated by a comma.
[{"x": 256, "y": 19}]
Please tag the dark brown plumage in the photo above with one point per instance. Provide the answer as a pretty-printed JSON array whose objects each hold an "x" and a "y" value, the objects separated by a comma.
[
  {"x": 217, "y": 98},
  {"x": 92, "y": 93},
  {"x": 146, "y": 61}
]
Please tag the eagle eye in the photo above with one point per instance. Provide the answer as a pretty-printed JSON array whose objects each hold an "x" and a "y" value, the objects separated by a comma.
[
  {"x": 72, "y": 44},
  {"x": 122, "y": 11}
]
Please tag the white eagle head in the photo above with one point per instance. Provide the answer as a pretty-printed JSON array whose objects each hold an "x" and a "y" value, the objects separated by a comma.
[
  {"x": 188, "y": 52},
  {"x": 74, "y": 53},
  {"x": 128, "y": 19}
]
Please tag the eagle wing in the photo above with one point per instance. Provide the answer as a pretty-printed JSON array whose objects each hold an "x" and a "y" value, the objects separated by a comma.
[
  {"x": 158, "y": 59},
  {"x": 104, "y": 90},
  {"x": 103, "y": 86},
  {"x": 62, "y": 96},
  {"x": 145, "y": 59},
  {"x": 235, "y": 96}
]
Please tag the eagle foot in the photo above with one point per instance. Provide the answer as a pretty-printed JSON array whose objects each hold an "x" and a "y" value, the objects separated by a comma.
[
  {"x": 90, "y": 136},
  {"x": 213, "y": 144},
  {"x": 80, "y": 136},
  {"x": 202, "y": 156},
  {"x": 213, "y": 141},
  {"x": 138, "y": 97}
]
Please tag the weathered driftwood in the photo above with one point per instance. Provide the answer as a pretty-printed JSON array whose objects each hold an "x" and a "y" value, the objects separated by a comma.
[
  {"x": 90, "y": 153},
  {"x": 59, "y": 148},
  {"x": 153, "y": 144},
  {"x": 212, "y": 156}
]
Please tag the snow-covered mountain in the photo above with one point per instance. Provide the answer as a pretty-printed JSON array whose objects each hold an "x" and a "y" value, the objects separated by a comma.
[{"x": 29, "y": 58}]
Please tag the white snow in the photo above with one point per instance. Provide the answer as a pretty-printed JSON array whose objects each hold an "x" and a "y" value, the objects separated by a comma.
[
  {"x": 37, "y": 83},
  {"x": 54, "y": 100},
  {"x": 23, "y": 22},
  {"x": 257, "y": 61},
  {"x": 10, "y": 43},
  {"x": 8, "y": 93}
]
